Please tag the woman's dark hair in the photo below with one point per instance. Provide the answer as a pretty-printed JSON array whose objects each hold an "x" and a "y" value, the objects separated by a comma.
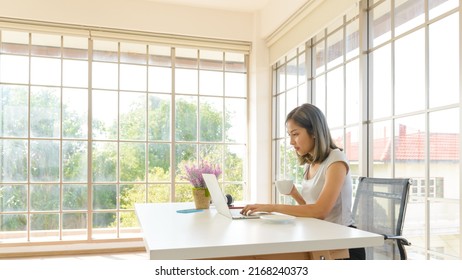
[{"x": 313, "y": 120}]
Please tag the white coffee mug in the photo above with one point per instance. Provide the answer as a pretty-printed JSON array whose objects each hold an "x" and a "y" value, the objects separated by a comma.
[{"x": 284, "y": 186}]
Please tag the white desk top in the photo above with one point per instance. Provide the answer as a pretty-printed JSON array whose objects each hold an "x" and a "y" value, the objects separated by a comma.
[{"x": 169, "y": 235}]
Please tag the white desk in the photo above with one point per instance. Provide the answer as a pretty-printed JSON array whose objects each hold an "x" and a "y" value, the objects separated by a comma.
[{"x": 169, "y": 235}]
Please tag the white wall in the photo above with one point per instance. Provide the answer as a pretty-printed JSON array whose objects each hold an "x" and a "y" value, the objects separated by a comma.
[
  {"x": 276, "y": 14},
  {"x": 143, "y": 15},
  {"x": 260, "y": 120},
  {"x": 135, "y": 15}
]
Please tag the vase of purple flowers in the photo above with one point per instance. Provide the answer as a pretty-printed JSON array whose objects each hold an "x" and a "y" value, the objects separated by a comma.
[{"x": 200, "y": 192}]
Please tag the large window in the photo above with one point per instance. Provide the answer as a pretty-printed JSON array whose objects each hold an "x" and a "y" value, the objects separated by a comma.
[
  {"x": 411, "y": 126},
  {"x": 325, "y": 72},
  {"x": 89, "y": 127},
  {"x": 414, "y": 118}
]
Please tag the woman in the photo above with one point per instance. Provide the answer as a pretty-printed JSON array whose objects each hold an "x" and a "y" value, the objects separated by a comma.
[{"x": 326, "y": 187}]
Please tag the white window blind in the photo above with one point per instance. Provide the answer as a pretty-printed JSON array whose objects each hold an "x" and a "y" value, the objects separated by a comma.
[{"x": 127, "y": 35}]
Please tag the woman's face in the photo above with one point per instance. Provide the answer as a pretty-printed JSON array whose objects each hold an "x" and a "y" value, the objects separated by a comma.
[{"x": 299, "y": 138}]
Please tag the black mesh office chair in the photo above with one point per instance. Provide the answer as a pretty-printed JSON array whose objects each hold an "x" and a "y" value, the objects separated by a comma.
[{"x": 380, "y": 207}]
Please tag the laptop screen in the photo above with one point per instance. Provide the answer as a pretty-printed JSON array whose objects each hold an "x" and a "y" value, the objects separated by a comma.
[{"x": 218, "y": 198}]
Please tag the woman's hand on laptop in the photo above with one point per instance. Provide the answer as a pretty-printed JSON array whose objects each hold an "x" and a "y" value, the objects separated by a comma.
[{"x": 253, "y": 208}]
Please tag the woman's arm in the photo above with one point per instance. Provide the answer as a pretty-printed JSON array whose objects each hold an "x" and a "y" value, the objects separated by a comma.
[{"x": 335, "y": 176}]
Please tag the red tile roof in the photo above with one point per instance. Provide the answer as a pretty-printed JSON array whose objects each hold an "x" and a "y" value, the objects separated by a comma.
[{"x": 409, "y": 147}]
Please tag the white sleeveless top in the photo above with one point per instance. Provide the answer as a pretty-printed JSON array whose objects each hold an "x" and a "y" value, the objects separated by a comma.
[{"x": 341, "y": 212}]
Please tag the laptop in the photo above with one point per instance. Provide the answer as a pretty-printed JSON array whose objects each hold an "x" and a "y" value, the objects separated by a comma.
[{"x": 218, "y": 199}]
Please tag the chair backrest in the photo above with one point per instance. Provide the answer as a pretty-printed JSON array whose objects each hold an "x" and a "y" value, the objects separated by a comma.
[{"x": 380, "y": 207}]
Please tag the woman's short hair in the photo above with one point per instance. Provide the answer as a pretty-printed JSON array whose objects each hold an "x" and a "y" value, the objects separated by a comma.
[{"x": 313, "y": 120}]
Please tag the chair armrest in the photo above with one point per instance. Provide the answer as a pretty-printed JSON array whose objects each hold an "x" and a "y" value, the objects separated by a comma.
[{"x": 398, "y": 238}]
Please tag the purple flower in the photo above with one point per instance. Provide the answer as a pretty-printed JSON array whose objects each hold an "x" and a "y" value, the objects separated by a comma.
[{"x": 194, "y": 173}]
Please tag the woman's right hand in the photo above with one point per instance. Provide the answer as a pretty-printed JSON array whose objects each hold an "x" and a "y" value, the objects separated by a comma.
[{"x": 297, "y": 196}]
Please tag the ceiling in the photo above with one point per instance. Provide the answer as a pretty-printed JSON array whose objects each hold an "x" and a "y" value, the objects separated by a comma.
[{"x": 229, "y": 5}]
